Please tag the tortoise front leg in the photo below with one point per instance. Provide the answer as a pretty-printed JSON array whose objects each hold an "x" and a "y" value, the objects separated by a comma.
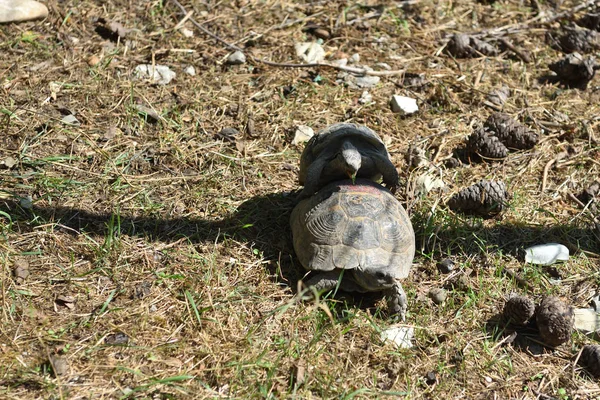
[
  {"x": 313, "y": 178},
  {"x": 389, "y": 172},
  {"x": 397, "y": 302}
]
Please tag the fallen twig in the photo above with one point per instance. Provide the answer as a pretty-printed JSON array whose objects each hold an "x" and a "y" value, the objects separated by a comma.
[
  {"x": 353, "y": 70},
  {"x": 521, "y": 54}
]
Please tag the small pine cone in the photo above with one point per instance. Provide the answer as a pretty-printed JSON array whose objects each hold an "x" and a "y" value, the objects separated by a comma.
[
  {"x": 519, "y": 310},
  {"x": 459, "y": 45},
  {"x": 486, "y": 145},
  {"x": 574, "y": 69},
  {"x": 485, "y": 198},
  {"x": 590, "y": 359},
  {"x": 483, "y": 47},
  {"x": 583, "y": 40},
  {"x": 510, "y": 132},
  {"x": 555, "y": 321},
  {"x": 590, "y": 21}
]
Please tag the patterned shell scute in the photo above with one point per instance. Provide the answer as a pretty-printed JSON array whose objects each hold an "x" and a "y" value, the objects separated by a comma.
[{"x": 347, "y": 226}]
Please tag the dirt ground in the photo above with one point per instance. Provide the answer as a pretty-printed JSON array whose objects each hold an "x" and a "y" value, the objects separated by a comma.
[{"x": 145, "y": 250}]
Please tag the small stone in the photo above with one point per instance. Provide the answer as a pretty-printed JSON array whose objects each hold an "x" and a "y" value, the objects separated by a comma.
[
  {"x": 404, "y": 105},
  {"x": 555, "y": 321},
  {"x": 190, "y": 70},
  {"x": 66, "y": 301},
  {"x": 383, "y": 65},
  {"x": 321, "y": 33},
  {"x": 401, "y": 336},
  {"x": 431, "y": 378},
  {"x": 8, "y": 162},
  {"x": 546, "y": 254},
  {"x": 160, "y": 74},
  {"x": 310, "y": 52},
  {"x": 367, "y": 81},
  {"x": 93, "y": 60},
  {"x": 115, "y": 339},
  {"x": 446, "y": 266},
  {"x": 499, "y": 96},
  {"x": 354, "y": 58},
  {"x": 70, "y": 120},
  {"x": 188, "y": 33},
  {"x": 438, "y": 295},
  {"x": 236, "y": 58},
  {"x": 26, "y": 202},
  {"x": 60, "y": 365},
  {"x": 21, "y": 270},
  {"x": 303, "y": 134},
  {"x": 228, "y": 133},
  {"x": 365, "y": 97},
  {"x": 21, "y": 10},
  {"x": 149, "y": 113}
]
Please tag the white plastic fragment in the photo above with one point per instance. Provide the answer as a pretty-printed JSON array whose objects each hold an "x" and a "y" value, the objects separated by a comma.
[
  {"x": 546, "y": 254},
  {"x": 404, "y": 105},
  {"x": 160, "y": 74},
  {"x": 587, "y": 320},
  {"x": 310, "y": 52},
  {"x": 303, "y": 134},
  {"x": 401, "y": 336}
]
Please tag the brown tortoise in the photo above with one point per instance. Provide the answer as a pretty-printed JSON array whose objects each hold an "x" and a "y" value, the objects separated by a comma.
[{"x": 357, "y": 234}]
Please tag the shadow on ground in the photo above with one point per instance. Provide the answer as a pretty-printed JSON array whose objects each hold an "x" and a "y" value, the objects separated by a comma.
[{"x": 263, "y": 222}]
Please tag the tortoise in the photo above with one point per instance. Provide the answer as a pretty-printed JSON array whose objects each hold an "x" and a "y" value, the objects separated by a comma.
[
  {"x": 356, "y": 234},
  {"x": 344, "y": 151}
]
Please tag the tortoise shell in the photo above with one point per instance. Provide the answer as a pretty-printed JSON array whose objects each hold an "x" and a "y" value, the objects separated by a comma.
[
  {"x": 330, "y": 138},
  {"x": 352, "y": 226}
]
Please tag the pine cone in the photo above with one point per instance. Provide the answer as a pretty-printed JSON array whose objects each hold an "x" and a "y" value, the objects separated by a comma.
[
  {"x": 590, "y": 359},
  {"x": 583, "y": 40},
  {"x": 555, "y": 321},
  {"x": 485, "y": 198},
  {"x": 519, "y": 310},
  {"x": 485, "y": 144},
  {"x": 510, "y": 132},
  {"x": 574, "y": 69}
]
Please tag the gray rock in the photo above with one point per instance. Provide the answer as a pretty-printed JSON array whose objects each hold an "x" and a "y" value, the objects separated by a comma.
[
  {"x": 438, "y": 295},
  {"x": 236, "y": 58},
  {"x": 21, "y": 10}
]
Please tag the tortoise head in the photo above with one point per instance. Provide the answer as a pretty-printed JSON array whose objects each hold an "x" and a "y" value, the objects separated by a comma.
[
  {"x": 374, "y": 279},
  {"x": 350, "y": 159}
]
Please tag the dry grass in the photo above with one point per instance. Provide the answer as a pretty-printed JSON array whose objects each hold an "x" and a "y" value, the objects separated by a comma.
[{"x": 179, "y": 239}]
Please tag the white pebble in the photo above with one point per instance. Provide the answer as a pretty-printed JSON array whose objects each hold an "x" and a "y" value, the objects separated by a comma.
[
  {"x": 401, "y": 336},
  {"x": 404, "y": 105},
  {"x": 303, "y": 134},
  {"x": 190, "y": 70},
  {"x": 160, "y": 74}
]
